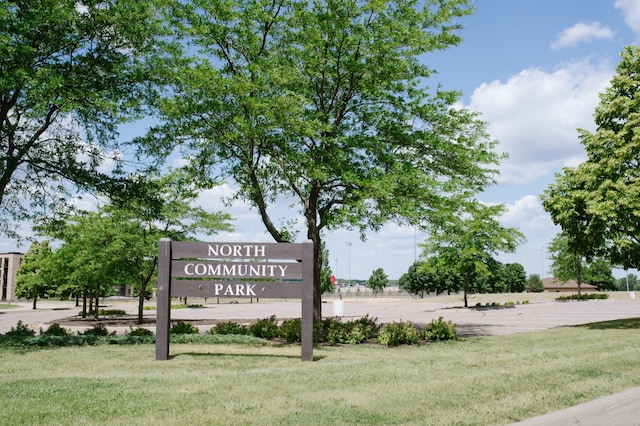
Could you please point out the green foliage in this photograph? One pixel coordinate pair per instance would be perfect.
(515, 277)
(467, 241)
(440, 330)
(98, 330)
(599, 274)
(378, 281)
(65, 89)
(140, 332)
(229, 327)
(291, 330)
(326, 286)
(35, 277)
(20, 330)
(534, 284)
(55, 330)
(183, 327)
(111, 312)
(352, 332)
(384, 147)
(596, 203)
(399, 333)
(583, 296)
(266, 328)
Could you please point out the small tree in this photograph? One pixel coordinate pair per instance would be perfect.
(325, 276)
(599, 273)
(415, 280)
(514, 277)
(567, 263)
(467, 241)
(34, 278)
(378, 281)
(534, 284)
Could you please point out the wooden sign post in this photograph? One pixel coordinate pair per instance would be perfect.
(260, 270)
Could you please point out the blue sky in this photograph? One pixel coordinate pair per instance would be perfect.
(533, 69)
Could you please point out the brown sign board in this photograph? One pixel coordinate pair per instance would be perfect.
(210, 269)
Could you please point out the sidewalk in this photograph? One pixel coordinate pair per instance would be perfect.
(621, 409)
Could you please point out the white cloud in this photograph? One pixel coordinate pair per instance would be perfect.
(582, 33)
(526, 214)
(631, 10)
(535, 115)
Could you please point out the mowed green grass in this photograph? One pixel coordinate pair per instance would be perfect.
(478, 381)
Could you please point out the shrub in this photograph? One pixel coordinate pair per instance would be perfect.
(140, 332)
(20, 330)
(112, 312)
(399, 333)
(266, 328)
(440, 330)
(353, 332)
(588, 296)
(55, 330)
(183, 327)
(97, 330)
(229, 328)
(291, 330)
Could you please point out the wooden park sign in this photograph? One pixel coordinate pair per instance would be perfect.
(260, 270)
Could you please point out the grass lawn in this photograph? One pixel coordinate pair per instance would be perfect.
(479, 381)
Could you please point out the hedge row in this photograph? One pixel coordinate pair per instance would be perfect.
(332, 331)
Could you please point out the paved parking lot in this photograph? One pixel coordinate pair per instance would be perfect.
(469, 322)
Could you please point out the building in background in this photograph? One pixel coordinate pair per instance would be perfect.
(9, 264)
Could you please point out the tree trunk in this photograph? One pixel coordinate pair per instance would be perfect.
(35, 299)
(97, 312)
(84, 303)
(141, 303)
(464, 289)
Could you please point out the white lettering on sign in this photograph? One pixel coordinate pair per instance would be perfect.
(235, 270)
(247, 289)
(236, 250)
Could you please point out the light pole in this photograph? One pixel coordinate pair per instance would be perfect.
(349, 244)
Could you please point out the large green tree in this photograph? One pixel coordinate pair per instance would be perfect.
(597, 204)
(325, 104)
(70, 72)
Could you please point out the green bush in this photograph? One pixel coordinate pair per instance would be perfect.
(139, 332)
(183, 327)
(291, 330)
(55, 330)
(97, 330)
(229, 328)
(588, 296)
(266, 328)
(353, 332)
(111, 312)
(440, 330)
(399, 333)
(20, 330)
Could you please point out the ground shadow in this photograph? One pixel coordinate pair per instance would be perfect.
(210, 354)
(619, 324)
(476, 330)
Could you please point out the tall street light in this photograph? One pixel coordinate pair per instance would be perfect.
(349, 244)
